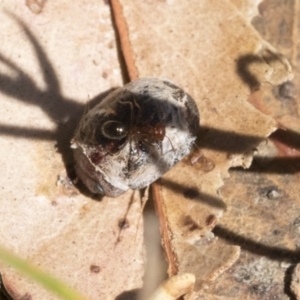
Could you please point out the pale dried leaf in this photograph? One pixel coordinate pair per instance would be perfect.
(248, 8)
(52, 64)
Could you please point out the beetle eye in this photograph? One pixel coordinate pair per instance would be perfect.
(114, 130)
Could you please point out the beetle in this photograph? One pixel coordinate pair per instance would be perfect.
(135, 135)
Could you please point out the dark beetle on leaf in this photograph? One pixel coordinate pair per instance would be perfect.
(134, 136)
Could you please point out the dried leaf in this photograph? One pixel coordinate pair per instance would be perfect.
(263, 215)
(248, 8)
(51, 65)
(194, 45)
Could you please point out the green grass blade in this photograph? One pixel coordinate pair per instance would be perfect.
(47, 281)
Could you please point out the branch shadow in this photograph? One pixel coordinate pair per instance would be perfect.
(271, 252)
(287, 137)
(193, 194)
(288, 279)
(260, 249)
(279, 164)
(244, 62)
(243, 69)
(64, 112)
(226, 141)
(252, 246)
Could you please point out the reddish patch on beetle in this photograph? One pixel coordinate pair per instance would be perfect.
(96, 158)
(149, 133)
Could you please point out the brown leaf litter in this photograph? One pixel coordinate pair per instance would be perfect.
(210, 50)
(218, 67)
